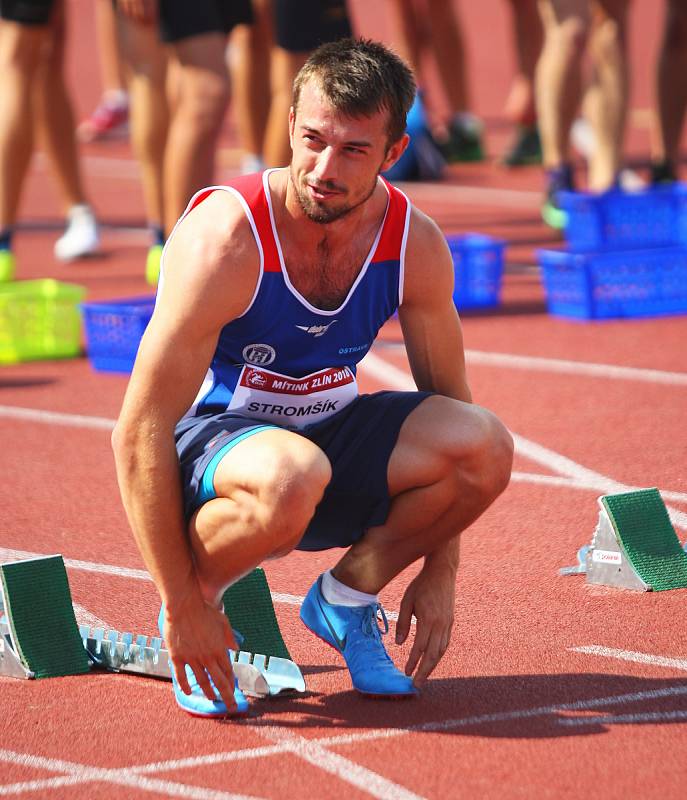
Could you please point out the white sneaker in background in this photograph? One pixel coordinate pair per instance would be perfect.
(81, 234)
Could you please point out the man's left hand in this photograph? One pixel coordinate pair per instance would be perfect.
(430, 597)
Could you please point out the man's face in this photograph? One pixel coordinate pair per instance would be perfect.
(336, 159)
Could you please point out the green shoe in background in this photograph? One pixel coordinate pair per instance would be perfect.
(464, 139)
(153, 264)
(525, 148)
(7, 266)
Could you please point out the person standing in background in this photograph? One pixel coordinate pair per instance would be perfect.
(34, 103)
(570, 28)
(671, 94)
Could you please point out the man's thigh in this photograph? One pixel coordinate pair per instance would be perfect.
(440, 432)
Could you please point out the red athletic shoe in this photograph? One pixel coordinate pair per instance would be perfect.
(106, 122)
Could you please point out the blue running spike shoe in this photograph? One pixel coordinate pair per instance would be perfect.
(197, 703)
(355, 633)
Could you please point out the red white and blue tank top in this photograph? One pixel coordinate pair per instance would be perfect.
(284, 360)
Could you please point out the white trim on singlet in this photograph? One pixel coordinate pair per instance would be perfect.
(404, 242)
(284, 272)
(249, 215)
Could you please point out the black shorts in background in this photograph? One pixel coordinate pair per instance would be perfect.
(303, 25)
(181, 19)
(27, 12)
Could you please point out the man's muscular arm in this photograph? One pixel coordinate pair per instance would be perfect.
(434, 343)
(211, 266)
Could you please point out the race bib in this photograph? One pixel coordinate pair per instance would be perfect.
(293, 402)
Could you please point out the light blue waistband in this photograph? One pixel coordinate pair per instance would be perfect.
(207, 485)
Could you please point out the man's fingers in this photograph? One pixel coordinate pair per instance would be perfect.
(419, 646)
(203, 680)
(223, 677)
(180, 672)
(432, 655)
(403, 622)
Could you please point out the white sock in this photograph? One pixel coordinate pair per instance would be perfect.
(339, 594)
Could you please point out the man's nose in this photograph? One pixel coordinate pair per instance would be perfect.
(326, 165)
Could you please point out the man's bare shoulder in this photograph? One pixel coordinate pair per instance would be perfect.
(428, 264)
(212, 256)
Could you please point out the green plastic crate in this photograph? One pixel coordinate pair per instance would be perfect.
(39, 319)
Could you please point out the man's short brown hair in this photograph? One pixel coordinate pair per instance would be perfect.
(359, 78)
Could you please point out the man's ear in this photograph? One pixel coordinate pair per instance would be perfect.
(292, 124)
(394, 152)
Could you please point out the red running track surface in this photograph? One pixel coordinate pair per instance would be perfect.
(514, 709)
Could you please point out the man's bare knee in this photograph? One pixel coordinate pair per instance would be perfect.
(290, 490)
(484, 457)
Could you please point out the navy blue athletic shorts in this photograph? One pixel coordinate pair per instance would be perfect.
(181, 19)
(358, 441)
(303, 25)
(27, 12)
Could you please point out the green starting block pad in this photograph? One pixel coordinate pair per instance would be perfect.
(634, 545)
(248, 606)
(39, 635)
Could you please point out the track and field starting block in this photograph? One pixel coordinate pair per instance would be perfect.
(40, 638)
(634, 545)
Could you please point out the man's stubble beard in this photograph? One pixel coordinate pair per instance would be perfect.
(324, 216)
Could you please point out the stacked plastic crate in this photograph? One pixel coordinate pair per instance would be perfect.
(626, 255)
(478, 270)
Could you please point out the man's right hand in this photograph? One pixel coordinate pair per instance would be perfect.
(198, 635)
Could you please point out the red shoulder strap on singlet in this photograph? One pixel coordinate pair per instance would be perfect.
(391, 240)
(250, 187)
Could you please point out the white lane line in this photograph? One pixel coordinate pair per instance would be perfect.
(558, 365)
(133, 775)
(472, 195)
(571, 469)
(315, 753)
(83, 421)
(9, 554)
(399, 379)
(658, 717)
(56, 418)
(82, 773)
(571, 483)
(629, 655)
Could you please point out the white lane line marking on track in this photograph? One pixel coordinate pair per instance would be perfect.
(629, 655)
(558, 365)
(9, 554)
(82, 773)
(624, 719)
(571, 483)
(84, 421)
(86, 617)
(400, 379)
(133, 775)
(56, 418)
(319, 756)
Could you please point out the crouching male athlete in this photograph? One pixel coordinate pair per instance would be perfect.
(273, 288)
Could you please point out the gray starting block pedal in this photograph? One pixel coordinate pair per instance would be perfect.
(258, 675)
(39, 637)
(634, 545)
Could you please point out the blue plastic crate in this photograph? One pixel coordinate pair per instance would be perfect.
(655, 217)
(113, 331)
(478, 269)
(605, 285)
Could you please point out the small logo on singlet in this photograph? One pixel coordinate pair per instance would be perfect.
(316, 330)
(260, 354)
(255, 378)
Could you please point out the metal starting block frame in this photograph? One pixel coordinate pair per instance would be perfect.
(258, 675)
(634, 545)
